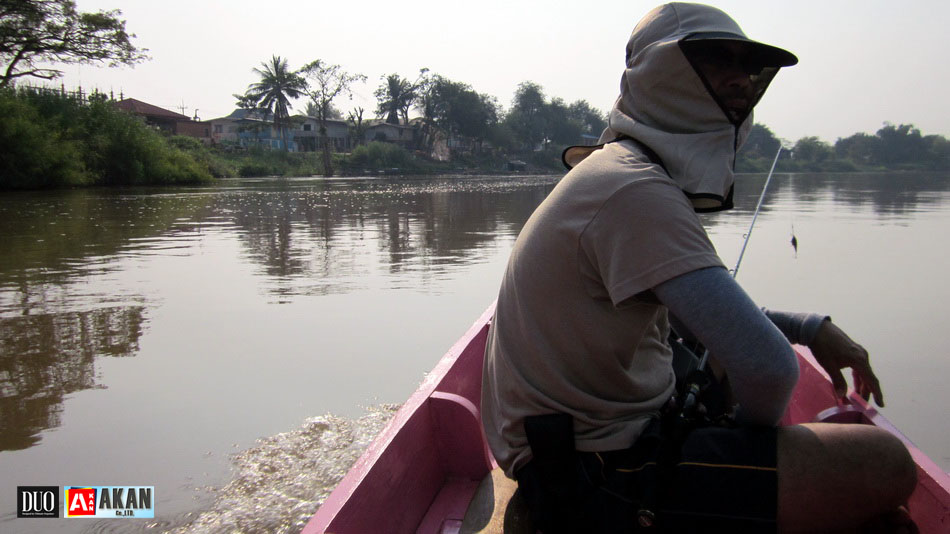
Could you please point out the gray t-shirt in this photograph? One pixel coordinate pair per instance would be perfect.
(568, 334)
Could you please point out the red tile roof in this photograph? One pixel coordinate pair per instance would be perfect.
(142, 108)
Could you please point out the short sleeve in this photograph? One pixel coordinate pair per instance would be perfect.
(643, 235)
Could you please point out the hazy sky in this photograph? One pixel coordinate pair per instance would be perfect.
(861, 62)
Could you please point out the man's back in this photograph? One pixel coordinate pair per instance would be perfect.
(570, 334)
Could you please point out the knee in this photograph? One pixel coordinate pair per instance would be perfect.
(897, 466)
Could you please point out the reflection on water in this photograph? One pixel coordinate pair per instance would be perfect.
(46, 357)
(316, 237)
(245, 308)
(323, 240)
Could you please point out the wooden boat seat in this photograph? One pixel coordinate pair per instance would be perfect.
(497, 508)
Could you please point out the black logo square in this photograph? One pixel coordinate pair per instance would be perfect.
(37, 501)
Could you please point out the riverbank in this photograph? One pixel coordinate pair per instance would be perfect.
(373, 158)
(55, 140)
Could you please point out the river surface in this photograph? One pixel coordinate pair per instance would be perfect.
(237, 346)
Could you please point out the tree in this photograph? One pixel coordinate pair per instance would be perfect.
(53, 31)
(313, 110)
(458, 110)
(278, 85)
(355, 118)
(325, 82)
(812, 150)
(392, 97)
(561, 129)
(760, 144)
(938, 152)
(527, 116)
(899, 144)
(590, 119)
(859, 148)
(251, 105)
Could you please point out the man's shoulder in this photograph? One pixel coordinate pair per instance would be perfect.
(620, 163)
(621, 169)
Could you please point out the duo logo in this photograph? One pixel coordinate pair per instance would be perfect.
(37, 501)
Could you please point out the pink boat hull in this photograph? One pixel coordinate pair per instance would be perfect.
(420, 473)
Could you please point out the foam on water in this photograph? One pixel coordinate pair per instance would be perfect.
(279, 484)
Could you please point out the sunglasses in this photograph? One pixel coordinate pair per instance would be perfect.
(723, 56)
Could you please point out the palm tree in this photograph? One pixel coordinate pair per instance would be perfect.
(278, 85)
(397, 95)
(392, 96)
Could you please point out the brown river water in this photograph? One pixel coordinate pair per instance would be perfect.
(237, 346)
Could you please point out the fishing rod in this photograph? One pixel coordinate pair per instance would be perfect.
(693, 389)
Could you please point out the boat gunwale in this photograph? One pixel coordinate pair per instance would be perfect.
(334, 504)
(814, 389)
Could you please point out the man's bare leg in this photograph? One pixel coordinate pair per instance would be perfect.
(833, 477)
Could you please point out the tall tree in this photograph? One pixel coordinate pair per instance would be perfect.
(53, 31)
(251, 105)
(527, 115)
(859, 148)
(456, 109)
(812, 150)
(356, 121)
(938, 152)
(396, 96)
(761, 143)
(313, 110)
(277, 86)
(590, 119)
(561, 129)
(324, 82)
(391, 96)
(899, 144)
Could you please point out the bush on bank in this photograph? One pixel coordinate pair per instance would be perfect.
(379, 156)
(54, 140)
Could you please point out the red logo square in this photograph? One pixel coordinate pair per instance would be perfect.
(80, 501)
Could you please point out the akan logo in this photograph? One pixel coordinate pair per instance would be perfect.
(109, 501)
(80, 502)
(37, 501)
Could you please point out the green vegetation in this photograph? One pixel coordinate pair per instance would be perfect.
(36, 32)
(273, 92)
(55, 140)
(397, 95)
(324, 83)
(377, 155)
(52, 139)
(891, 148)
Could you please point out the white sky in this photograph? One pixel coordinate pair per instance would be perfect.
(861, 62)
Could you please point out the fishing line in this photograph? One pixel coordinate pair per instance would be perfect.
(758, 207)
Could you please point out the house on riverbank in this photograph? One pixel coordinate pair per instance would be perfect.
(306, 132)
(379, 130)
(246, 128)
(166, 120)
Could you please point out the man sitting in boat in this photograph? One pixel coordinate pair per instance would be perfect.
(578, 377)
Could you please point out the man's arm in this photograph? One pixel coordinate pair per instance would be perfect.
(761, 365)
(833, 349)
(798, 328)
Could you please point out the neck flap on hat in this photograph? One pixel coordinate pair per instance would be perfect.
(667, 105)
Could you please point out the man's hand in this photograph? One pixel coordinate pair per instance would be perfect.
(834, 350)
